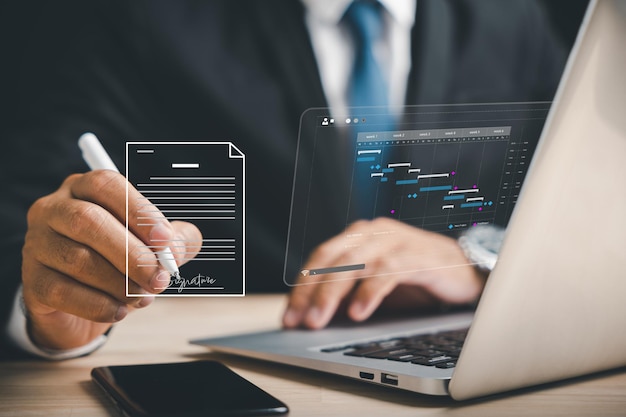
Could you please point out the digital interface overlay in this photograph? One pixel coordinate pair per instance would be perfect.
(198, 182)
(443, 169)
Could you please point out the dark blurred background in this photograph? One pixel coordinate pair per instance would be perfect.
(34, 31)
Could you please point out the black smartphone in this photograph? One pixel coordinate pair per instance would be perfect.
(186, 389)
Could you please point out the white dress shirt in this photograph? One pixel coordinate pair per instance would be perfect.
(17, 332)
(334, 48)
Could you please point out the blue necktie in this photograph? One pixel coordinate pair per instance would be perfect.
(367, 86)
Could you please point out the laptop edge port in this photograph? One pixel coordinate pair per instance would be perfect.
(366, 375)
(389, 379)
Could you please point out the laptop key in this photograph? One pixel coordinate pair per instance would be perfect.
(385, 354)
(369, 348)
(446, 365)
(451, 350)
(364, 351)
(407, 357)
(334, 349)
(429, 353)
(433, 361)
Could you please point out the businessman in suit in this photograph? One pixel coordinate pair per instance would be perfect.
(191, 70)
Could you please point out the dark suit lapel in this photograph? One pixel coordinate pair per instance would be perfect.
(432, 52)
(282, 24)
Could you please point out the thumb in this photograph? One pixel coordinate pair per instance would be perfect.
(187, 241)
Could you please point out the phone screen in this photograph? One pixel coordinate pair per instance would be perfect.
(186, 389)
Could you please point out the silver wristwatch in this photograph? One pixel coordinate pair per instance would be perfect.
(481, 245)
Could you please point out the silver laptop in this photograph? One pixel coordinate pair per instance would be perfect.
(554, 305)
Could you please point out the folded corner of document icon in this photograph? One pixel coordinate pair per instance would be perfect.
(198, 182)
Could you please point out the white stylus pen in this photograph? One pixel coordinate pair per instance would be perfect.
(97, 158)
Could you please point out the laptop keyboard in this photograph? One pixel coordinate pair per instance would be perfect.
(438, 349)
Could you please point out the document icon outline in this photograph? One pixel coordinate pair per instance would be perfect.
(198, 182)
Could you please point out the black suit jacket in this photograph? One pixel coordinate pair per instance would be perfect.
(229, 70)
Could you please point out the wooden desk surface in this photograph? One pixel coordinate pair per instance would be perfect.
(160, 334)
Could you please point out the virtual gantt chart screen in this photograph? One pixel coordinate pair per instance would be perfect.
(440, 168)
(437, 178)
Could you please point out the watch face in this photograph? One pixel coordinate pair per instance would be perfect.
(481, 245)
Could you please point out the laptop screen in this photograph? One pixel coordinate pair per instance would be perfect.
(444, 168)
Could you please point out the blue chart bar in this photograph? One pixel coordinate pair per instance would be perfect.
(436, 188)
(465, 205)
(404, 182)
(454, 197)
(387, 170)
(365, 159)
(384, 179)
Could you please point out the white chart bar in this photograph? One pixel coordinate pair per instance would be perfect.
(470, 190)
(433, 176)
